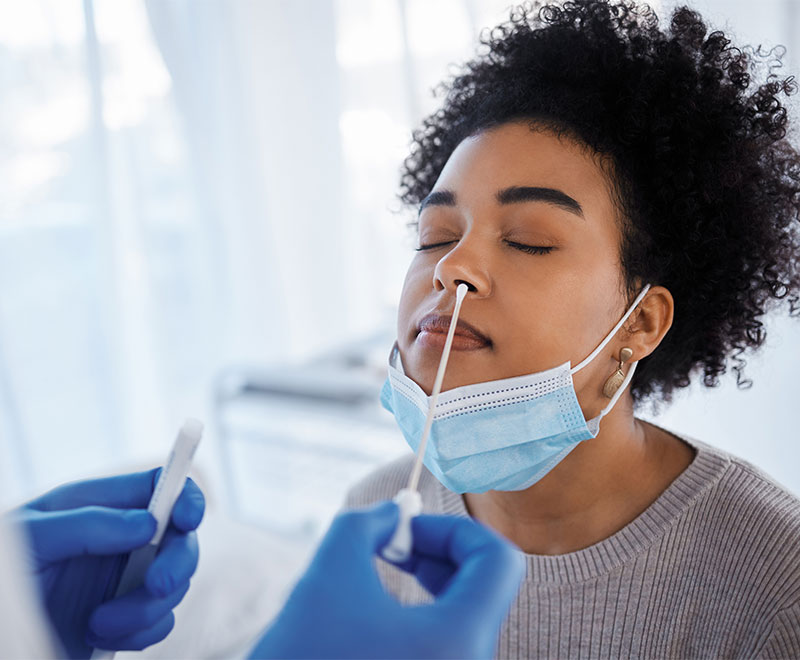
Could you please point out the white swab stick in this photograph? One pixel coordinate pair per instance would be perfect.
(413, 481)
(408, 499)
(168, 487)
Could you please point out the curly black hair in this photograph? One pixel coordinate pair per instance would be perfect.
(705, 179)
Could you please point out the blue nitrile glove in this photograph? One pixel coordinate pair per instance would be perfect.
(79, 537)
(340, 610)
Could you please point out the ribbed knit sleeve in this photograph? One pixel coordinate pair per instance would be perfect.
(710, 569)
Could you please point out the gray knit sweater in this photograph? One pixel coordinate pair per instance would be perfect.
(711, 569)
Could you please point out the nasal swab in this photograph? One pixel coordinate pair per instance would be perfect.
(408, 499)
(168, 487)
(461, 293)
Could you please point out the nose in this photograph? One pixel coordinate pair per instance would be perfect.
(463, 264)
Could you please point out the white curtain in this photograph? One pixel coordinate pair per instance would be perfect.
(191, 184)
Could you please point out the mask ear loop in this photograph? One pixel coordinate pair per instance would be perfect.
(611, 334)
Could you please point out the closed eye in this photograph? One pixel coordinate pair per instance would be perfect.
(531, 249)
(433, 246)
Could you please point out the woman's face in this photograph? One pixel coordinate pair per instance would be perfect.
(527, 220)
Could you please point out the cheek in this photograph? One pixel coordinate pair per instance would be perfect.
(561, 311)
(539, 331)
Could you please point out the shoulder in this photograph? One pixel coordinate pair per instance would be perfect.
(753, 490)
(384, 482)
(727, 485)
(741, 532)
(751, 522)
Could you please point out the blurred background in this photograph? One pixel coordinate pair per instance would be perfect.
(198, 217)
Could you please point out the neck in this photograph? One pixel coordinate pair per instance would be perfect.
(601, 486)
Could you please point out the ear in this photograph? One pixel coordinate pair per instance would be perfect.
(650, 322)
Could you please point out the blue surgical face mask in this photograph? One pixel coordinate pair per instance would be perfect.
(498, 435)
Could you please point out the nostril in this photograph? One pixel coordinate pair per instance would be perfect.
(471, 287)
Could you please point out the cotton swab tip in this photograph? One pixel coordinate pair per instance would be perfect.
(409, 503)
(461, 292)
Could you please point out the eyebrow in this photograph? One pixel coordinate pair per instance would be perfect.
(517, 194)
(439, 198)
(512, 195)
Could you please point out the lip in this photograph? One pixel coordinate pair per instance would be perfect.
(432, 332)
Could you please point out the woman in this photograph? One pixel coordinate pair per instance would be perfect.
(590, 164)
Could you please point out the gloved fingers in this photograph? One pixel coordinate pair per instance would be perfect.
(361, 532)
(491, 576)
(127, 491)
(489, 572)
(89, 530)
(434, 536)
(189, 507)
(175, 563)
(137, 641)
(433, 574)
(452, 538)
(432, 561)
(345, 557)
(134, 612)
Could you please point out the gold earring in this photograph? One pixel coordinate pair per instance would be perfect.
(615, 380)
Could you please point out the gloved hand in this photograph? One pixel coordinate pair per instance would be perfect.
(79, 535)
(339, 608)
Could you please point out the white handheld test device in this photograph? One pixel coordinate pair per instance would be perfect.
(168, 487)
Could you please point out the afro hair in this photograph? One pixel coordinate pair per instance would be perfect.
(705, 179)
